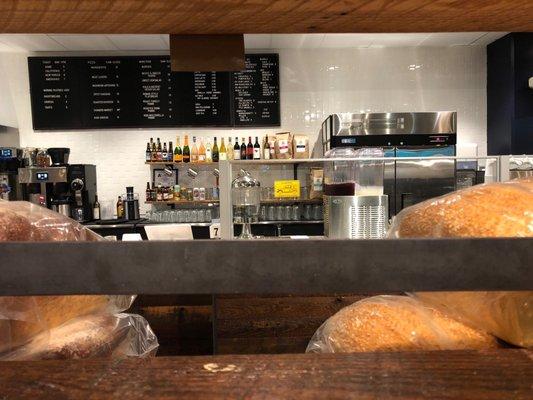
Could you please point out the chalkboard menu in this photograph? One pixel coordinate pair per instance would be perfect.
(256, 91)
(142, 92)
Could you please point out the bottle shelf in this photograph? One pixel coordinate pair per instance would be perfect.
(183, 202)
(189, 164)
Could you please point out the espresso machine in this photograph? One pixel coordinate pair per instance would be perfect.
(69, 189)
(10, 162)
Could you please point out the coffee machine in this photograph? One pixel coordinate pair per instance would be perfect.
(10, 162)
(69, 189)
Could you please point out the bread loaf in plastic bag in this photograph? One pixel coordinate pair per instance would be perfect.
(21, 318)
(394, 323)
(97, 335)
(490, 210)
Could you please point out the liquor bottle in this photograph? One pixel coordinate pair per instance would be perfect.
(148, 152)
(170, 154)
(266, 149)
(178, 156)
(186, 157)
(159, 193)
(215, 154)
(120, 208)
(257, 149)
(154, 152)
(148, 192)
(165, 193)
(96, 209)
(208, 151)
(243, 149)
(153, 193)
(194, 151)
(201, 152)
(229, 150)
(250, 149)
(159, 150)
(236, 150)
(164, 153)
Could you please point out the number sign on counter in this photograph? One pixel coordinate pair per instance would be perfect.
(142, 92)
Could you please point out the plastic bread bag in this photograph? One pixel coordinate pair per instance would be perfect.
(93, 336)
(26, 316)
(394, 323)
(489, 210)
(506, 315)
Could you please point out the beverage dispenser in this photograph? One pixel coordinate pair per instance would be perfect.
(246, 200)
(354, 204)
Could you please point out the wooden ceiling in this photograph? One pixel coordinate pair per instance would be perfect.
(263, 16)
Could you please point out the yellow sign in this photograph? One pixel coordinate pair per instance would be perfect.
(287, 189)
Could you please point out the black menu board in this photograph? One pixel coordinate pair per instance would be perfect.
(54, 93)
(256, 92)
(203, 98)
(142, 92)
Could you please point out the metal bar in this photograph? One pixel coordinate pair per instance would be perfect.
(266, 266)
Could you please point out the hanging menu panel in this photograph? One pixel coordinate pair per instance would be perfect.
(256, 92)
(202, 98)
(156, 105)
(108, 93)
(142, 92)
(54, 93)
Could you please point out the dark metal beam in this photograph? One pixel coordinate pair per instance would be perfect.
(266, 266)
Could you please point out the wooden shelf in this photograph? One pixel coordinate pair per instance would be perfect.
(163, 163)
(491, 374)
(183, 202)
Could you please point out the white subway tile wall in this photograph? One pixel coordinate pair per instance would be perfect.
(313, 83)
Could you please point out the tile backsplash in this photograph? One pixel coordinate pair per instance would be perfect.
(313, 84)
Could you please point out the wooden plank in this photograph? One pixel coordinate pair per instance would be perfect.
(263, 16)
(500, 374)
(182, 324)
(263, 345)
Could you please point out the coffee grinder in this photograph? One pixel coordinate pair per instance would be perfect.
(82, 183)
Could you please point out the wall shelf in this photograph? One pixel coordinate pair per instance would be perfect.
(183, 202)
(178, 164)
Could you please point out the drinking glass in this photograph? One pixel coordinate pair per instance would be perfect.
(271, 214)
(295, 213)
(194, 216)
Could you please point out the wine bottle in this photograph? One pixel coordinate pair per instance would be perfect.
(266, 149)
(96, 208)
(178, 156)
(229, 150)
(243, 149)
(250, 149)
(236, 150)
(208, 151)
(202, 152)
(194, 151)
(159, 150)
(186, 157)
(214, 152)
(222, 155)
(257, 149)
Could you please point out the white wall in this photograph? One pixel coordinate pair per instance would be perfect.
(314, 83)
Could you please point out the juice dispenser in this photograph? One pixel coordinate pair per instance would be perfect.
(354, 204)
(246, 199)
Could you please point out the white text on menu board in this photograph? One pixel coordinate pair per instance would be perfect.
(155, 83)
(55, 72)
(206, 93)
(105, 77)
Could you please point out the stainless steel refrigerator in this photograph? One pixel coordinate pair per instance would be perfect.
(404, 135)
